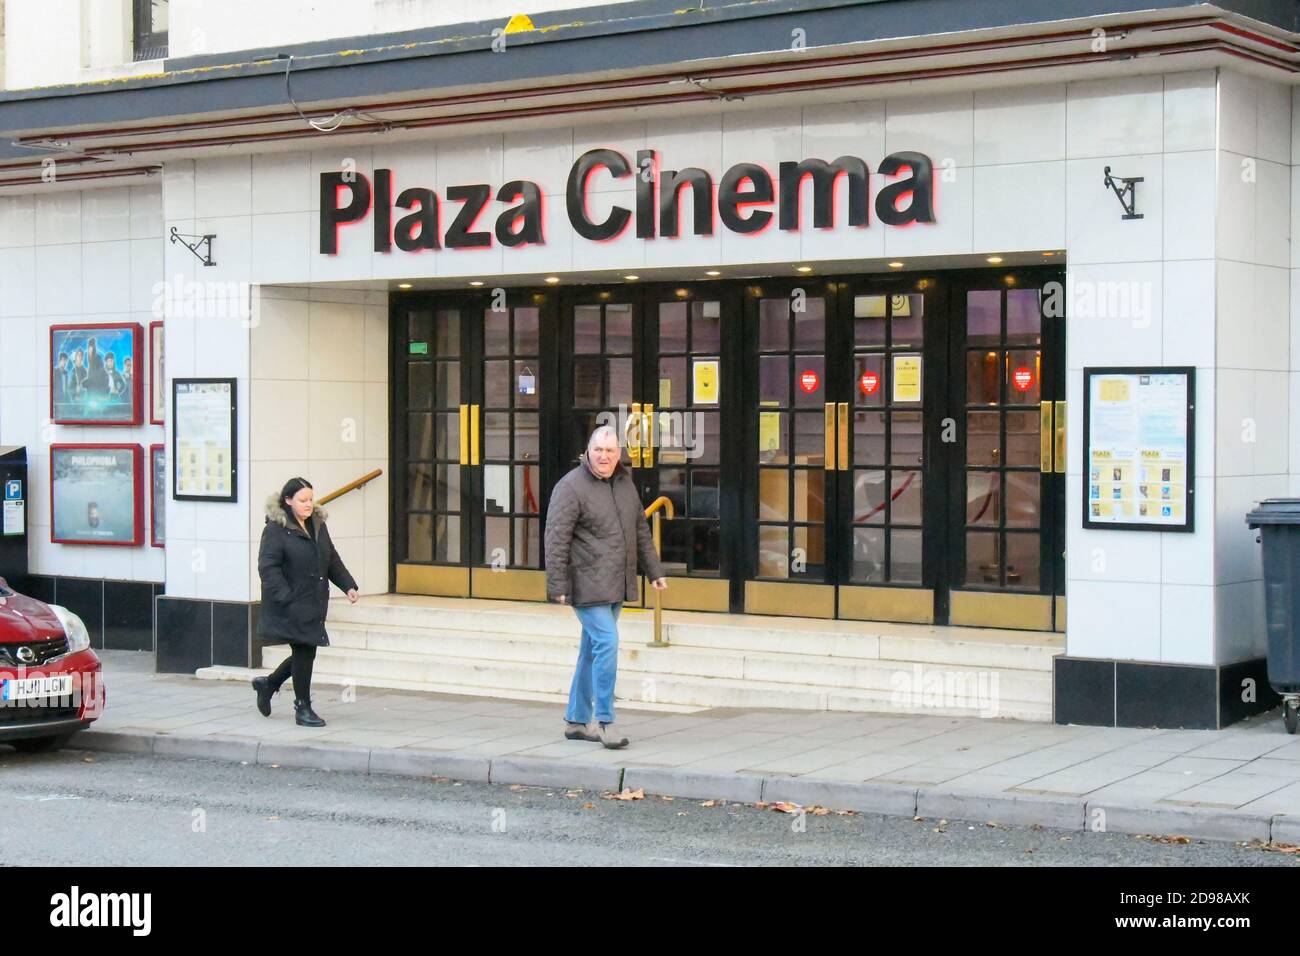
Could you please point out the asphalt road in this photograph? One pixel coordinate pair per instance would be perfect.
(122, 810)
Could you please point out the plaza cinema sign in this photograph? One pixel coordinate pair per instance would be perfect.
(748, 199)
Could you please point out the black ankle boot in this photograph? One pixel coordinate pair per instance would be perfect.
(264, 691)
(304, 715)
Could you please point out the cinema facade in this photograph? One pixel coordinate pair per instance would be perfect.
(840, 294)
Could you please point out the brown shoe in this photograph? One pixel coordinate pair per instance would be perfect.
(575, 731)
(608, 735)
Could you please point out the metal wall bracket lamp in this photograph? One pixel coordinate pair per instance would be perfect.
(204, 242)
(1128, 195)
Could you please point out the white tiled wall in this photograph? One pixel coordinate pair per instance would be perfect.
(320, 411)
(1253, 368)
(207, 551)
(1142, 595)
(88, 256)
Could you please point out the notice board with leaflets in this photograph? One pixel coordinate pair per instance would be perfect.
(1139, 427)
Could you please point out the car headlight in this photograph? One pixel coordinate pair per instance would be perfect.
(78, 638)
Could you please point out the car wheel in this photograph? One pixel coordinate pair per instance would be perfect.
(40, 745)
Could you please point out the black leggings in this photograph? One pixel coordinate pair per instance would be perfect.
(299, 663)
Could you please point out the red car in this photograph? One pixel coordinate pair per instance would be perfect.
(51, 682)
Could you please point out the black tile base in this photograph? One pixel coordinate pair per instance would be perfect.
(1109, 693)
(1166, 695)
(183, 636)
(194, 633)
(1083, 691)
(230, 634)
(128, 615)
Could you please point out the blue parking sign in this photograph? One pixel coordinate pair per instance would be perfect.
(13, 490)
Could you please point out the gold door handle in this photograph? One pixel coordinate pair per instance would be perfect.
(473, 434)
(1060, 438)
(464, 434)
(1045, 437)
(632, 434)
(842, 452)
(830, 436)
(647, 436)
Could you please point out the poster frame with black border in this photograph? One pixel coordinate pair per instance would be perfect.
(153, 495)
(1189, 525)
(137, 351)
(179, 439)
(137, 496)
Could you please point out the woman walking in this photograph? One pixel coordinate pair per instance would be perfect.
(296, 562)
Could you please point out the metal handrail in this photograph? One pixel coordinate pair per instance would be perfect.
(661, 504)
(350, 486)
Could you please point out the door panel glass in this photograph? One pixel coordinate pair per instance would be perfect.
(774, 551)
(419, 385)
(905, 557)
(672, 327)
(706, 326)
(509, 471)
(496, 332)
(586, 329)
(905, 497)
(869, 555)
(869, 502)
(774, 324)
(792, 483)
(1003, 484)
(810, 381)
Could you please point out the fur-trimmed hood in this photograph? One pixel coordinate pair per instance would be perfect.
(276, 514)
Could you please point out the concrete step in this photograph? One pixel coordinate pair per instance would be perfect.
(915, 690)
(973, 647)
(682, 660)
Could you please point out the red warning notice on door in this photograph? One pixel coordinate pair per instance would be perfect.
(1022, 378)
(869, 383)
(809, 381)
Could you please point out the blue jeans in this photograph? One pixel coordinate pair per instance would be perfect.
(593, 679)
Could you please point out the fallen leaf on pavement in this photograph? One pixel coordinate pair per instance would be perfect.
(709, 803)
(516, 786)
(625, 795)
(818, 811)
(589, 806)
(783, 807)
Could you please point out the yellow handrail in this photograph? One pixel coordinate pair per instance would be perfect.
(662, 503)
(665, 504)
(350, 486)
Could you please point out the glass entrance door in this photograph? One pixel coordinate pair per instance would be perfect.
(1007, 356)
(655, 362)
(470, 376)
(890, 481)
(792, 439)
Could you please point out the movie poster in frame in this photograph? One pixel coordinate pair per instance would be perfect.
(95, 374)
(157, 394)
(96, 494)
(157, 496)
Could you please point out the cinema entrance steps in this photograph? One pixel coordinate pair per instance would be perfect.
(526, 651)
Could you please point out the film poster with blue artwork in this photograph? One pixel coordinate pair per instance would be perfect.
(95, 494)
(95, 374)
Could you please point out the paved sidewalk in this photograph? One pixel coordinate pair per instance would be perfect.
(1242, 783)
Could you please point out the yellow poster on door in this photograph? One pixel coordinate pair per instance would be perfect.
(769, 431)
(706, 381)
(907, 378)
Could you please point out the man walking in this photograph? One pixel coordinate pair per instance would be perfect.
(596, 536)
